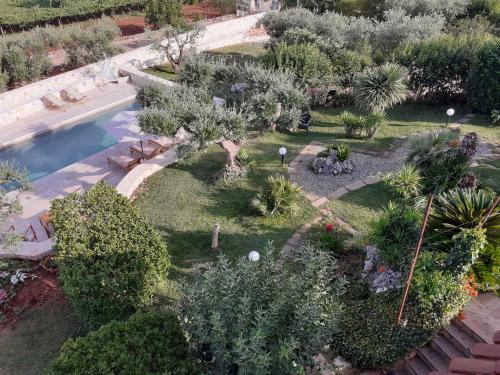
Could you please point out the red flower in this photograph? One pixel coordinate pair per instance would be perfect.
(329, 228)
(461, 315)
(381, 268)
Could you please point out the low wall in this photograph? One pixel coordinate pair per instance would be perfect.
(21, 102)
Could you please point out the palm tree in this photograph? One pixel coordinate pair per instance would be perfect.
(378, 88)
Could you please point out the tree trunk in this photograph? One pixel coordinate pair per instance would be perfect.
(232, 149)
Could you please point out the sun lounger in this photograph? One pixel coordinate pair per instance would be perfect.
(53, 101)
(29, 234)
(124, 161)
(73, 94)
(496, 337)
(164, 143)
(147, 150)
(486, 351)
(46, 222)
(474, 366)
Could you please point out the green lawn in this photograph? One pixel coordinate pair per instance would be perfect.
(360, 207)
(184, 203)
(36, 339)
(165, 71)
(240, 53)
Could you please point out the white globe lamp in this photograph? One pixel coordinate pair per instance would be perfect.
(282, 152)
(254, 256)
(450, 112)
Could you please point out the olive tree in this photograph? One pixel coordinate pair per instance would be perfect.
(255, 318)
(168, 109)
(179, 40)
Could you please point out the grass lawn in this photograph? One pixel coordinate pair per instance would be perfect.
(165, 71)
(36, 339)
(360, 207)
(489, 173)
(184, 203)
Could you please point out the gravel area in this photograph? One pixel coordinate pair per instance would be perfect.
(365, 166)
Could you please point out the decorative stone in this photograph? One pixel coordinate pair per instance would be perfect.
(386, 280)
(239, 87)
(341, 364)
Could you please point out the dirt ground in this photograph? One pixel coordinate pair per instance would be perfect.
(205, 9)
(34, 292)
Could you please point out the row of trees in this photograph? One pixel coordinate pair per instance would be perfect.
(25, 57)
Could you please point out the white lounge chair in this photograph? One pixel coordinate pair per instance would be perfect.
(73, 94)
(51, 100)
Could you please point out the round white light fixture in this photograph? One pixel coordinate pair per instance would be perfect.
(254, 256)
(450, 112)
(282, 151)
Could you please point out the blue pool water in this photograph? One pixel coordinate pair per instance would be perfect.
(55, 150)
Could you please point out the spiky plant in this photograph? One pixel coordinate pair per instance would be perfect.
(379, 88)
(405, 183)
(280, 196)
(464, 208)
(426, 147)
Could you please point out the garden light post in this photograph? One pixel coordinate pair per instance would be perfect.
(282, 152)
(450, 112)
(253, 256)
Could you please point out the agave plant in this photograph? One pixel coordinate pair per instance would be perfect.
(426, 147)
(280, 196)
(464, 208)
(378, 89)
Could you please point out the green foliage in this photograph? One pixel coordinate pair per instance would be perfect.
(367, 336)
(254, 318)
(280, 196)
(442, 163)
(309, 65)
(198, 69)
(439, 67)
(380, 88)
(343, 151)
(109, 259)
(437, 294)
(146, 343)
(483, 86)
(346, 64)
(405, 183)
(396, 233)
(360, 125)
(467, 245)
(11, 177)
(92, 43)
(160, 13)
(487, 268)
(464, 208)
(335, 241)
(450, 8)
(4, 78)
(21, 14)
(495, 116)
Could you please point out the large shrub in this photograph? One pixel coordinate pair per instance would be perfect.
(450, 8)
(160, 13)
(255, 318)
(442, 160)
(147, 343)
(4, 78)
(483, 86)
(396, 233)
(91, 43)
(306, 61)
(439, 66)
(109, 259)
(464, 208)
(380, 88)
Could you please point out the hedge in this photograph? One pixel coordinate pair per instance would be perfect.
(147, 343)
(109, 259)
(483, 83)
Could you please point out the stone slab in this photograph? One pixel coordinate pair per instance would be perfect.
(371, 180)
(355, 185)
(320, 201)
(337, 193)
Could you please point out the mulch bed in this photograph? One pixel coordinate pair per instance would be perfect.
(34, 292)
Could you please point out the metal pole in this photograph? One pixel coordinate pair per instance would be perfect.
(282, 159)
(142, 151)
(414, 261)
(481, 223)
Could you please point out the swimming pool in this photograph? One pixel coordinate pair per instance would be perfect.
(55, 150)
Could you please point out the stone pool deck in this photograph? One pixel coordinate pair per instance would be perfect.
(97, 100)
